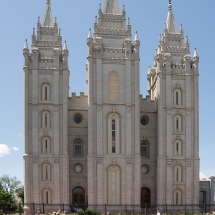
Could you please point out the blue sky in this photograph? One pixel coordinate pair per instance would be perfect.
(75, 17)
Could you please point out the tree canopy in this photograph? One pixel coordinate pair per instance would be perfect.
(10, 184)
(20, 194)
(7, 201)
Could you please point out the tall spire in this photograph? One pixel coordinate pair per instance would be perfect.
(26, 44)
(112, 7)
(170, 22)
(48, 15)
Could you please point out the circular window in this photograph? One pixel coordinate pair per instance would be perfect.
(77, 119)
(145, 169)
(78, 168)
(144, 120)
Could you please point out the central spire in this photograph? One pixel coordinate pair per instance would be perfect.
(170, 22)
(48, 15)
(112, 7)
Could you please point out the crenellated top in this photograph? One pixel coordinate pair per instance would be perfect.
(47, 43)
(172, 47)
(173, 53)
(111, 33)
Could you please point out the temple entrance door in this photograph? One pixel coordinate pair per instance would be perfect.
(145, 196)
(78, 196)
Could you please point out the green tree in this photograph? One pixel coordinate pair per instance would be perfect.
(20, 194)
(10, 184)
(1, 188)
(7, 201)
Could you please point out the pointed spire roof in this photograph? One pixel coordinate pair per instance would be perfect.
(170, 22)
(65, 46)
(195, 53)
(149, 70)
(112, 7)
(89, 34)
(26, 44)
(48, 15)
(136, 37)
(159, 50)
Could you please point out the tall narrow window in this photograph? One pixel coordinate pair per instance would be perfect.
(178, 174)
(177, 197)
(144, 150)
(45, 92)
(46, 172)
(113, 136)
(177, 123)
(113, 133)
(47, 196)
(46, 145)
(114, 185)
(45, 120)
(78, 148)
(177, 97)
(177, 148)
(113, 86)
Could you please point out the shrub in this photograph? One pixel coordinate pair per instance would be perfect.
(89, 212)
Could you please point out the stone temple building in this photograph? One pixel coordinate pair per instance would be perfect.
(111, 146)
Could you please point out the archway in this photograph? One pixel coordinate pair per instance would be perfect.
(78, 196)
(145, 196)
(202, 197)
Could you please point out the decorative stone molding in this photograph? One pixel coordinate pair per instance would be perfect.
(188, 163)
(99, 160)
(188, 113)
(35, 160)
(45, 133)
(46, 72)
(99, 107)
(114, 61)
(169, 163)
(128, 161)
(56, 160)
(56, 107)
(168, 111)
(34, 107)
(178, 77)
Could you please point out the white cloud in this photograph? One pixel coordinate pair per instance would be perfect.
(15, 149)
(202, 175)
(4, 150)
(20, 135)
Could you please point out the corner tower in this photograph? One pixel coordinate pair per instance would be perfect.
(173, 83)
(114, 109)
(46, 75)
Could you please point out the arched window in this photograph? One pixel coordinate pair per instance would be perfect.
(47, 196)
(178, 174)
(177, 197)
(144, 149)
(45, 92)
(177, 97)
(45, 120)
(114, 185)
(177, 148)
(113, 133)
(46, 172)
(113, 86)
(177, 123)
(46, 145)
(78, 148)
